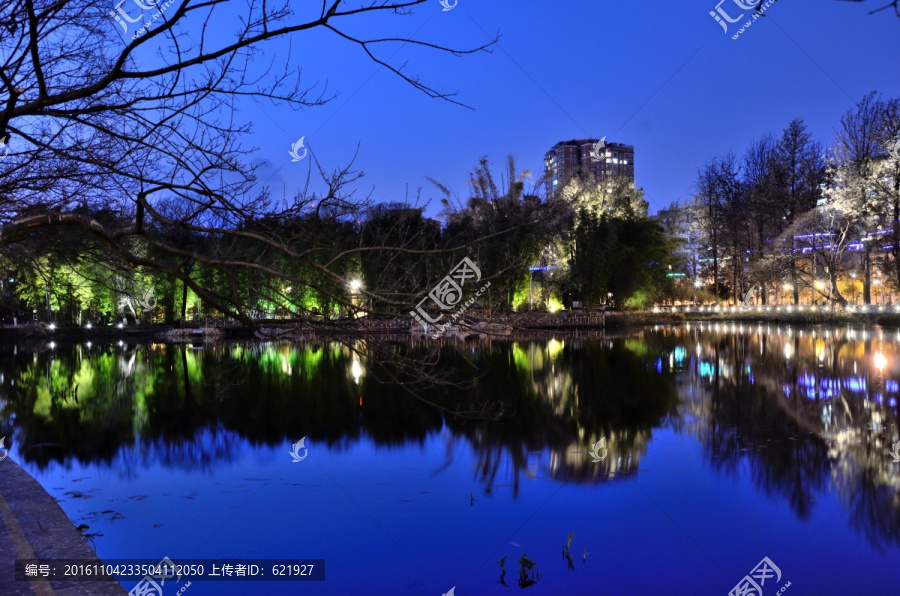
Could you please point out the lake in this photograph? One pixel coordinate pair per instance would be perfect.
(685, 459)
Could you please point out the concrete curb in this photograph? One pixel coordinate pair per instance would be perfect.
(33, 525)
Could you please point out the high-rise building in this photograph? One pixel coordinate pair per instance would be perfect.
(568, 159)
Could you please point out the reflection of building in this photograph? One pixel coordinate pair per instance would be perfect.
(568, 159)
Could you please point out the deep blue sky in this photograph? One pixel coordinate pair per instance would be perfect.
(662, 76)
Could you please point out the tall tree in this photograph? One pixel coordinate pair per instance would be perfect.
(855, 156)
(800, 171)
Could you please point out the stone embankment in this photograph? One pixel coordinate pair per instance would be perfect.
(34, 526)
(799, 315)
(485, 323)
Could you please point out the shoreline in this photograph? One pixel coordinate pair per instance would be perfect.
(490, 326)
(499, 327)
(34, 526)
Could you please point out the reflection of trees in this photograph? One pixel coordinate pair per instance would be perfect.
(180, 407)
(800, 408)
(797, 409)
(562, 400)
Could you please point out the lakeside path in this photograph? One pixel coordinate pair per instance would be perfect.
(34, 526)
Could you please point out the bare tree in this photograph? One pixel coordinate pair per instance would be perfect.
(759, 177)
(799, 172)
(859, 162)
(895, 4)
(824, 237)
(137, 112)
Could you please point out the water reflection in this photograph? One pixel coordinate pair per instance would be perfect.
(806, 409)
(797, 411)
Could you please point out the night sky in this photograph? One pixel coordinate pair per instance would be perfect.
(662, 76)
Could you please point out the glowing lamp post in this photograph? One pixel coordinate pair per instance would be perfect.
(355, 286)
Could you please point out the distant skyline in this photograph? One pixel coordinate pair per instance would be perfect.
(662, 77)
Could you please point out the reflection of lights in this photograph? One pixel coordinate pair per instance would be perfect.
(285, 366)
(880, 361)
(788, 351)
(554, 348)
(357, 371)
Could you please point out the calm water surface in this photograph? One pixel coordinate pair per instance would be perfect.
(725, 445)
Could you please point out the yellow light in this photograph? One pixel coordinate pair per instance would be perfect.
(356, 371)
(880, 361)
(553, 305)
(554, 348)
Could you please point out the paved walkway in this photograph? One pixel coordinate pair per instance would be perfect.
(34, 526)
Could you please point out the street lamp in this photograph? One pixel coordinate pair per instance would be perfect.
(355, 285)
(820, 285)
(788, 287)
